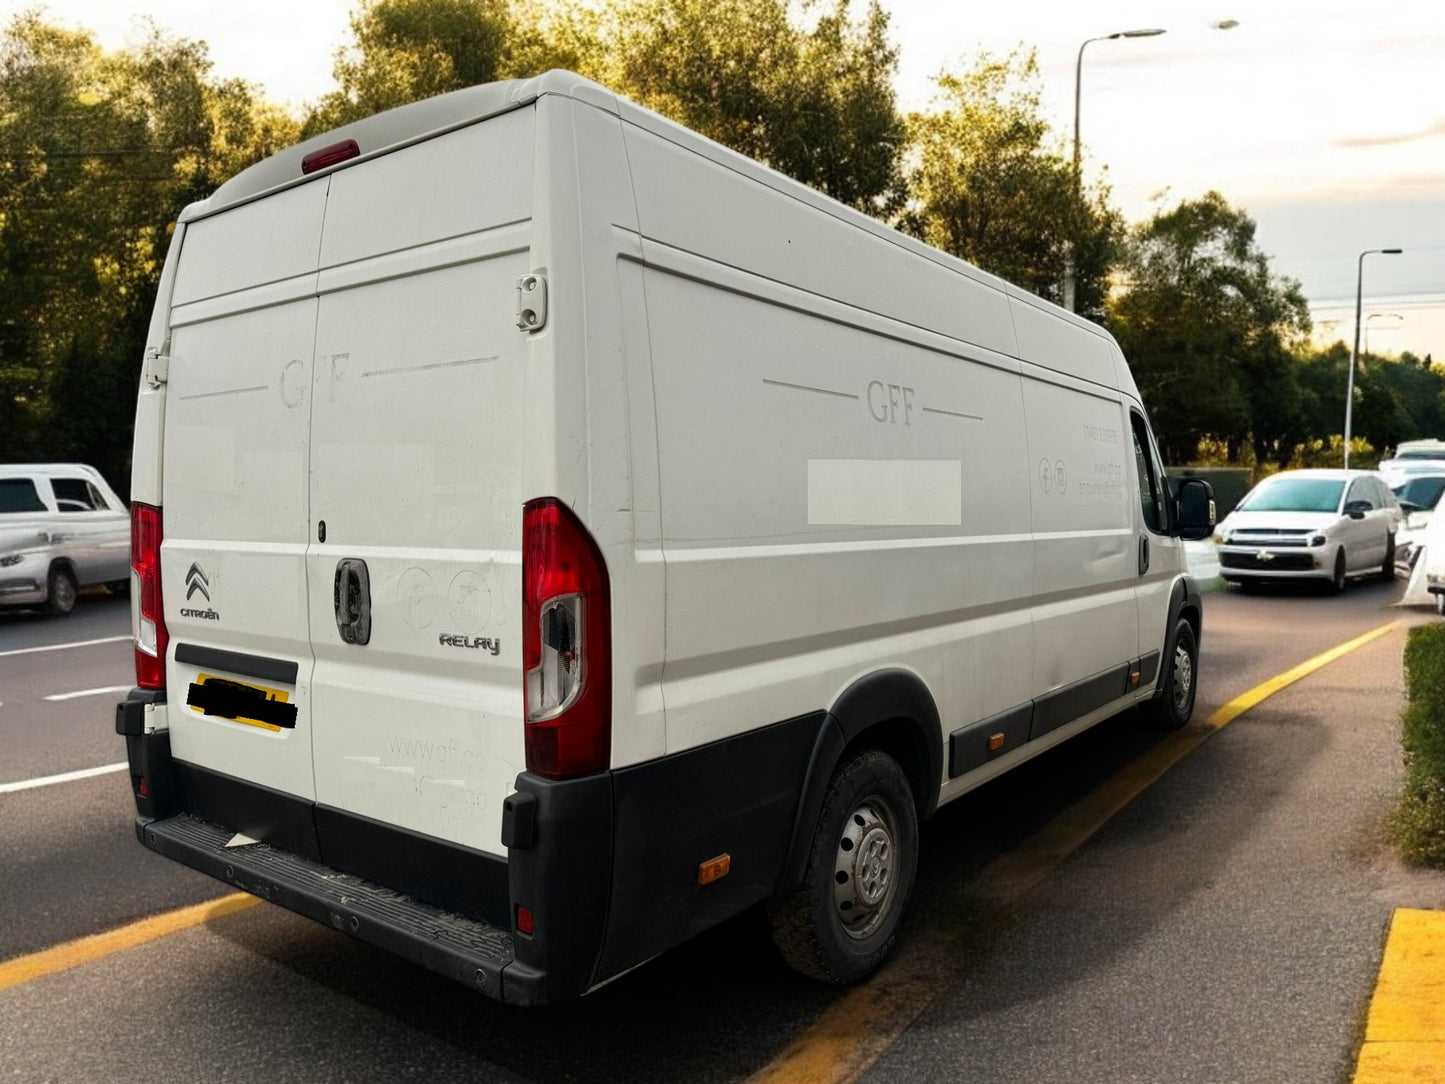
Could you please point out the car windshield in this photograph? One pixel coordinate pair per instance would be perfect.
(1422, 492)
(1281, 494)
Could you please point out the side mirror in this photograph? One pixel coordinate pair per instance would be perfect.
(1357, 509)
(1409, 506)
(1196, 509)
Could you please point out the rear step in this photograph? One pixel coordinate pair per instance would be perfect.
(474, 953)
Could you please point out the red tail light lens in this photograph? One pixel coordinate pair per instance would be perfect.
(148, 622)
(566, 644)
(329, 156)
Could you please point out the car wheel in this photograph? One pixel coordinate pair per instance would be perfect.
(841, 922)
(1387, 571)
(1440, 605)
(60, 593)
(1337, 579)
(1174, 706)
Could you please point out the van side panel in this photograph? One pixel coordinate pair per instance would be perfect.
(842, 491)
(234, 491)
(415, 471)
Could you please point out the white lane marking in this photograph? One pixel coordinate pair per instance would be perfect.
(62, 647)
(88, 692)
(66, 777)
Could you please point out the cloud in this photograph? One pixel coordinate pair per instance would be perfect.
(1434, 130)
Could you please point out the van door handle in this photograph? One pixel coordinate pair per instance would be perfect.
(351, 595)
(1143, 554)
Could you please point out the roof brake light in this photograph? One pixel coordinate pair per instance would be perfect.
(329, 156)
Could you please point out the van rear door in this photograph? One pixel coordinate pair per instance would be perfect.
(243, 325)
(415, 486)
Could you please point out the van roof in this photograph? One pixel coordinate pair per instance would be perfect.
(395, 128)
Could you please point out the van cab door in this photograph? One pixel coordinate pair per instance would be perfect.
(1161, 556)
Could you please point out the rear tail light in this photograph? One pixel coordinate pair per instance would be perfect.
(566, 644)
(148, 622)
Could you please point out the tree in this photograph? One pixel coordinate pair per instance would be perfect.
(406, 50)
(1211, 333)
(99, 152)
(815, 102)
(994, 188)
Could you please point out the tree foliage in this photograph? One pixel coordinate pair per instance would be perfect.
(813, 101)
(1211, 333)
(993, 187)
(99, 152)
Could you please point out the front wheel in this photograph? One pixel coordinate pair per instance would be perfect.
(61, 592)
(1337, 578)
(1174, 706)
(839, 925)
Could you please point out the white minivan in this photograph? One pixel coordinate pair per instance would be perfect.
(556, 533)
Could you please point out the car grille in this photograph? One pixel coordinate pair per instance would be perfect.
(1276, 562)
(1263, 536)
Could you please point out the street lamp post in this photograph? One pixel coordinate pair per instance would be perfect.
(1355, 349)
(1069, 264)
(1078, 177)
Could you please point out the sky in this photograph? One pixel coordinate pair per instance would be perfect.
(1324, 120)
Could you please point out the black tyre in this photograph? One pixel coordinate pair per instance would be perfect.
(1337, 579)
(60, 591)
(840, 924)
(1387, 570)
(1174, 706)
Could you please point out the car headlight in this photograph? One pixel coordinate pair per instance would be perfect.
(10, 559)
(1317, 540)
(1221, 538)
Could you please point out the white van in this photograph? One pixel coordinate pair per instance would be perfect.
(557, 533)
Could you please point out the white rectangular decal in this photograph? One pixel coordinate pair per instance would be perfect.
(885, 492)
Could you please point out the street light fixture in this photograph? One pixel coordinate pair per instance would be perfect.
(1355, 349)
(1078, 179)
(1153, 32)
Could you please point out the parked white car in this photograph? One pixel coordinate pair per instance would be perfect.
(61, 528)
(1418, 495)
(1326, 525)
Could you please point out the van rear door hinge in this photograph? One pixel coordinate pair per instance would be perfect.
(532, 302)
(157, 368)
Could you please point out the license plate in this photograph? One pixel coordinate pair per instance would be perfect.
(254, 705)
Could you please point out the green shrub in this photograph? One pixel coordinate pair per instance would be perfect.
(1419, 820)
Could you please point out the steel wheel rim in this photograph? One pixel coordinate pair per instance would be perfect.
(865, 871)
(1183, 678)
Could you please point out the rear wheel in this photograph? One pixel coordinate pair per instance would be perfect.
(1387, 571)
(61, 593)
(1175, 704)
(841, 922)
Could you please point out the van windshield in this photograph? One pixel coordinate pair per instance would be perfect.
(1295, 495)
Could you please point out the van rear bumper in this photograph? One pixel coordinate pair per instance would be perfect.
(474, 953)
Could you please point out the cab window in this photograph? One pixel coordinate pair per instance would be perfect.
(77, 495)
(1151, 478)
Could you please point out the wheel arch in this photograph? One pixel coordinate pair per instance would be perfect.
(1185, 601)
(889, 710)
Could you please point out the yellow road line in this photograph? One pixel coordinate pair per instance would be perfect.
(1405, 1032)
(83, 950)
(853, 1032)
